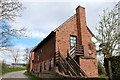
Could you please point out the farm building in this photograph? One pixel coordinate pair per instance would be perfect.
(68, 50)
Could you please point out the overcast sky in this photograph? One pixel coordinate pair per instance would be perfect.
(41, 17)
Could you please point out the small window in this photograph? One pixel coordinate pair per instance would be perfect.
(73, 41)
(38, 57)
(36, 67)
(40, 67)
(44, 65)
(50, 64)
(32, 61)
(41, 50)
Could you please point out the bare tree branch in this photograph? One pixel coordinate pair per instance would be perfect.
(27, 55)
(9, 11)
(108, 34)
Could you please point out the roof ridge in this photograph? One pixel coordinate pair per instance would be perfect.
(64, 23)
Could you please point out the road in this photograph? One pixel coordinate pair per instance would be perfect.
(17, 74)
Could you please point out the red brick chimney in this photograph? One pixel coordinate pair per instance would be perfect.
(81, 22)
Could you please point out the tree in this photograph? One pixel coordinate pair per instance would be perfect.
(108, 32)
(3, 65)
(109, 35)
(27, 55)
(9, 10)
(101, 69)
(15, 56)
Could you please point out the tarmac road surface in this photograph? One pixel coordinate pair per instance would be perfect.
(17, 74)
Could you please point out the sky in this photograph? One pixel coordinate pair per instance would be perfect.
(42, 17)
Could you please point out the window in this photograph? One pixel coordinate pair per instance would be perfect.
(32, 61)
(38, 57)
(73, 41)
(36, 67)
(40, 67)
(50, 64)
(41, 50)
(44, 65)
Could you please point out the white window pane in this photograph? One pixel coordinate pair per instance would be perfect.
(72, 44)
(71, 37)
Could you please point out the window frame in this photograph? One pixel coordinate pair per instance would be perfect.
(50, 64)
(73, 39)
(45, 65)
(40, 67)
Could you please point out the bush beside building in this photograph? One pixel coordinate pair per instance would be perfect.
(115, 66)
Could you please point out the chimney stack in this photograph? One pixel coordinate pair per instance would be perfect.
(81, 22)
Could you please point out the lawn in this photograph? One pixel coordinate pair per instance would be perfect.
(8, 70)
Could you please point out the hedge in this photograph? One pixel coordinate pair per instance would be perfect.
(115, 66)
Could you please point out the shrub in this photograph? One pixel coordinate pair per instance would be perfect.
(28, 67)
(101, 69)
(115, 66)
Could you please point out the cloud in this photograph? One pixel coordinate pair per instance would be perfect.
(47, 1)
(36, 34)
(69, 0)
(40, 18)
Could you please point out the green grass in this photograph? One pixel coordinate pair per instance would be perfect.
(8, 70)
(103, 76)
(30, 76)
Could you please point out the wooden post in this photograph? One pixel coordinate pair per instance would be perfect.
(110, 69)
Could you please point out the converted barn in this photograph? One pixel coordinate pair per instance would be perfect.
(68, 50)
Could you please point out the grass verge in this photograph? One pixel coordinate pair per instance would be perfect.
(30, 76)
(8, 70)
(103, 76)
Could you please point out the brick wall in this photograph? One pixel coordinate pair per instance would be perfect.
(36, 67)
(63, 36)
(89, 66)
(46, 51)
(83, 34)
(84, 31)
(70, 28)
(47, 65)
